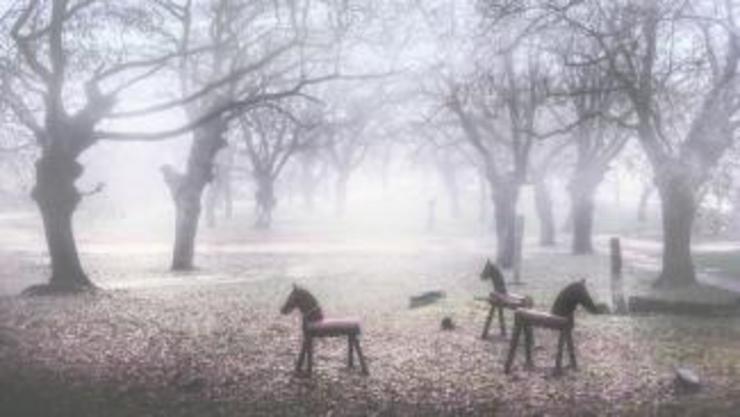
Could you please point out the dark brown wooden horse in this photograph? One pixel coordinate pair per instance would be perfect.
(560, 319)
(500, 298)
(316, 326)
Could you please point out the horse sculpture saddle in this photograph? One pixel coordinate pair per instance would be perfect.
(542, 319)
(509, 300)
(333, 327)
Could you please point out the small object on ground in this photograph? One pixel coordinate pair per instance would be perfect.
(500, 298)
(686, 381)
(425, 298)
(316, 326)
(560, 318)
(448, 324)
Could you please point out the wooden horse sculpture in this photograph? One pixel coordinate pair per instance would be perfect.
(560, 319)
(316, 326)
(500, 298)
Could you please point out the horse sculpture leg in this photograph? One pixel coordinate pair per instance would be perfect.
(310, 354)
(350, 351)
(502, 320)
(528, 342)
(360, 356)
(559, 357)
(571, 348)
(302, 355)
(488, 322)
(513, 344)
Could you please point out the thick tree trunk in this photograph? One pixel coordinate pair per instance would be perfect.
(309, 182)
(265, 199)
(187, 215)
(582, 189)
(57, 199)
(505, 197)
(543, 202)
(187, 190)
(678, 211)
(647, 192)
(582, 204)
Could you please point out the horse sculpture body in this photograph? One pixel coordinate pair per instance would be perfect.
(316, 326)
(500, 298)
(560, 319)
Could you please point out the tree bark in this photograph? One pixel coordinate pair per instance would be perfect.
(543, 202)
(187, 216)
(505, 197)
(582, 188)
(265, 198)
(583, 220)
(57, 199)
(647, 192)
(678, 208)
(187, 190)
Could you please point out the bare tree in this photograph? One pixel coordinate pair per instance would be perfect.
(684, 100)
(271, 139)
(498, 112)
(64, 83)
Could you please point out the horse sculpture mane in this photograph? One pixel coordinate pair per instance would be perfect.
(570, 297)
(492, 272)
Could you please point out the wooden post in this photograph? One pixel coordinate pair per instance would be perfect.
(618, 302)
(519, 236)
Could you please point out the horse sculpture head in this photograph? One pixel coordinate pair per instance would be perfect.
(570, 297)
(491, 271)
(305, 302)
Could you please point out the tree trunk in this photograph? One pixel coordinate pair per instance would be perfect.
(678, 212)
(309, 182)
(265, 199)
(187, 215)
(505, 197)
(582, 190)
(57, 199)
(543, 202)
(187, 190)
(583, 221)
(647, 192)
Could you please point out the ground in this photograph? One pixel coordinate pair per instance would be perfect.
(212, 342)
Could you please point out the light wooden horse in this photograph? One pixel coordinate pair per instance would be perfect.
(500, 298)
(316, 326)
(559, 319)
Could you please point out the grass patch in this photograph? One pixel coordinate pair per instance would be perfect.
(726, 263)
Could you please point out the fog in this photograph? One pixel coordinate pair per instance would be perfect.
(171, 170)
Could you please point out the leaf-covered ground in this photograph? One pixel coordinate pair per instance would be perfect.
(212, 343)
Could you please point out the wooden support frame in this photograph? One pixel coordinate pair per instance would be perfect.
(524, 323)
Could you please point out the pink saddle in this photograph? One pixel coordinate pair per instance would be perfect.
(333, 327)
(511, 301)
(542, 319)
